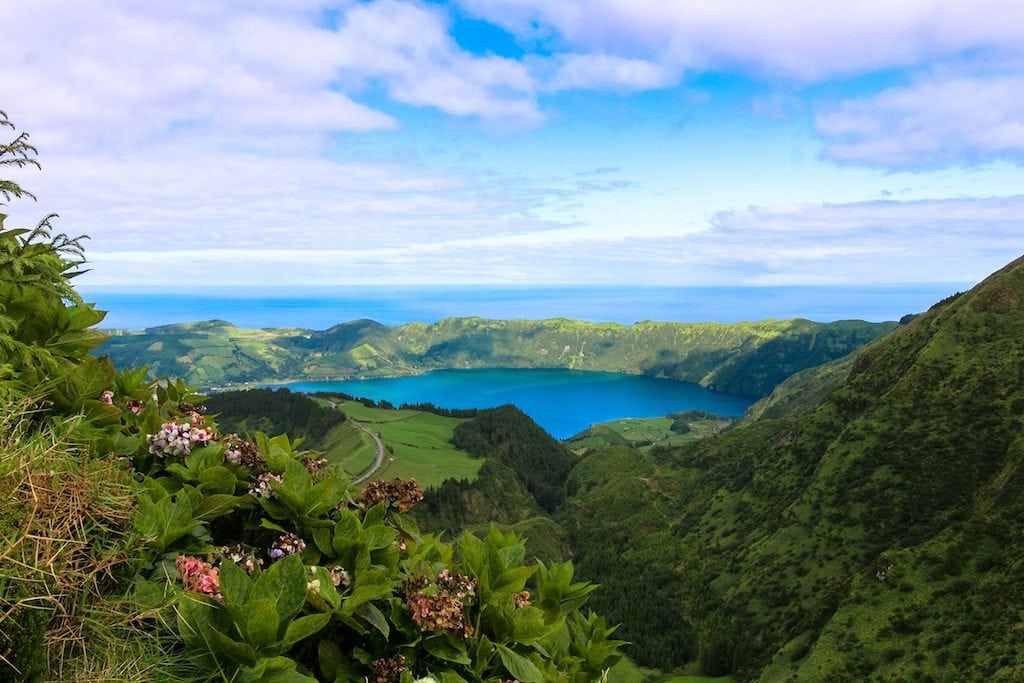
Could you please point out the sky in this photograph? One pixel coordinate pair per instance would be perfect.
(611, 142)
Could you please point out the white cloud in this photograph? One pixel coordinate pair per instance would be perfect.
(131, 73)
(598, 71)
(944, 241)
(938, 120)
(803, 39)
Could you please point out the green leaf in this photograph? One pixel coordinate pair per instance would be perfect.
(364, 594)
(240, 653)
(234, 584)
(446, 647)
(164, 522)
(304, 627)
(324, 496)
(521, 668)
(284, 584)
(377, 619)
(529, 625)
(220, 504)
(322, 539)
(375, 515)
(474, 556)
(261, 622)
(380, 537)
(274, 670)
(512, 580)
(217, 479)
(267, 524)
(330, 658)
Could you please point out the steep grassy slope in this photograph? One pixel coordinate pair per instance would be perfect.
(739, 358)
(875, 537)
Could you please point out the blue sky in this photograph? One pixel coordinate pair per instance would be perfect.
(524, 141)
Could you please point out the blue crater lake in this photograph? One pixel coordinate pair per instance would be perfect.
(564, 402)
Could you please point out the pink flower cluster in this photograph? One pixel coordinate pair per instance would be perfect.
(198, 576)
(177, 438)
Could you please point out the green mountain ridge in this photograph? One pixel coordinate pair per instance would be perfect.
(740, 358)
(875, 536)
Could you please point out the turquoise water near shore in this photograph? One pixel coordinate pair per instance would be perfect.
(564, 402)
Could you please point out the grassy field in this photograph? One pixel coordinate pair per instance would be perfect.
(350, 447)
(418, 443)
(644, 432)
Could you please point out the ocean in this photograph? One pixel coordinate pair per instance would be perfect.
(319, 308)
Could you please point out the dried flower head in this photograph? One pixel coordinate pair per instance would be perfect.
(440, 607)
(242, 452)
(247, 560)
(314, 465)
(387, 669)
(261, 487)
(401, 494)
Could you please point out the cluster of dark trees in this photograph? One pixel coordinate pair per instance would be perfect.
(508, 435)
(274, 411)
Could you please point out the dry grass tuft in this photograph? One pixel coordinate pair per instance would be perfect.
(65, 534)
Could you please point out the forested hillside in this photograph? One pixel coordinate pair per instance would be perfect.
(738, 358)
(875, 536)
(274, 412)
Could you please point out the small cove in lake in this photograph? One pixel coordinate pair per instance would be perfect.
(564, 402)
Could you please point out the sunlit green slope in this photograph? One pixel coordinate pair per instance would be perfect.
(875, 537)
(737, 358)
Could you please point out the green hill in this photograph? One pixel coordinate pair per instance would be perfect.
(875, 536)
(737, 358)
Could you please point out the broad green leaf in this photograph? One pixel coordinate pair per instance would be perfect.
(274, 670)
(364, 594)
(284, 584)
(220, 504)
(322, 539)
(330, 658)
(267, 524)
(376, 619)
(474, 556)
(512, 580)
(324, 496)
(234, 584)
(375, 515)
(240, 653)
(217, 479)
(380, 537)
(519, 666)
(304, 627)
(529, 625)
(446, 647)
(164, 522)
(261, 622)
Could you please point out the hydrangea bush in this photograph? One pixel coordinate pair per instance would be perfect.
(271, 566)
